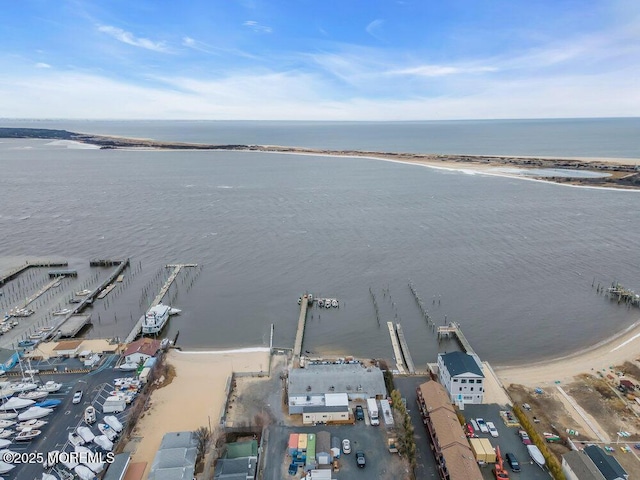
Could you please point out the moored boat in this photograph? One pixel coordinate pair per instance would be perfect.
(50, 387)
(108, 431)
(155, 319)
(34, 412)
(6, 432)
(75, 439)
(90, 415)
(113, 422)
(103, 442)
(24, 387)
(8, 415)
(64, 311)
(4, 442)
(15, 403)
(50, 403)
(83, 293)
(536, 455)
(86, 434)
(6, 423)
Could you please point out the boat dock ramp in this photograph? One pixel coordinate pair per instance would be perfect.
(405, 350)
(400, 350)
(137, 328)
(396, 349)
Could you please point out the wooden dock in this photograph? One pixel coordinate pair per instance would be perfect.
(106, 291)
(302, 320)
(137, 328)
(396, 349)
(405, 350)
(13, 273)
(454, 329)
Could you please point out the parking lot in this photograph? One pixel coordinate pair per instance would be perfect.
(508, 440)
(372, 440)
(66, 417)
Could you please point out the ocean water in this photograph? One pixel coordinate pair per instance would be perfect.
(512, 260)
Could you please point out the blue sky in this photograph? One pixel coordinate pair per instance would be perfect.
(319, 59)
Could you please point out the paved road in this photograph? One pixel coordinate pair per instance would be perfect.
(67, 416)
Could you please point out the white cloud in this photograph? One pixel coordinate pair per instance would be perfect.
(42, 65)
(440, 70)
(256, 27)
(373, 27)
(130, 39)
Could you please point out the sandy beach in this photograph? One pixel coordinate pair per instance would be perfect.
(195, 397)
(625, 346)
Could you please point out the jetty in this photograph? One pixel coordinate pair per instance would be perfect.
(397, 353)
(302, 320)
(623, 295)
(137, 328)
(405, 350)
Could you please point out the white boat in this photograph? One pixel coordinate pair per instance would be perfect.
(536, 455)
(4, 442)
(164, 344)
(48, 328)
(86, 434)
(175, 311)
(64, 311)
(113, 422)
(75, 439)
(35, 423)
(327, 303)
(90, 415)
(155, 319)
(27, 435)
(96, 467)
(6, 467)
(320, 302)
(334, 303)
(6, 432)
(52, 454)
(24, 386)
(6, 423)
(33, 395)
(83, 293)
(34, 412)
(50, 387)
(108, 431)
(8, 415)
(37, 336)
(84, 473)
(103, 442)
(6, 392)
(127, 367)
(15, 403)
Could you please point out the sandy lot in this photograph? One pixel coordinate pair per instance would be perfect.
(194, 397)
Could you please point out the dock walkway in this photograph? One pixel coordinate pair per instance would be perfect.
(13, 273)
(137, 328)
(396, 348)
(302, 320)
(405, 350)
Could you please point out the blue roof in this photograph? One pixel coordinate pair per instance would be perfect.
(458, 363)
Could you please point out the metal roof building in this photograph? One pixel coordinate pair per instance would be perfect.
(118, 469)
(578, 466)
(607, 464)
(176, 457)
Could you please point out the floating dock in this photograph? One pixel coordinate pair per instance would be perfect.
(106, 291)
(405, 350)
(137, 328)
(63, 273)
(396, 349)
(302, 320)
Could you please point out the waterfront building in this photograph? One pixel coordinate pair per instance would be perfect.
(461, 374)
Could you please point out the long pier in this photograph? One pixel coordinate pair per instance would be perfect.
(137, 328)
(454, 329)
(18, 270)
(405, 350)
(396, 348)
(302, 320)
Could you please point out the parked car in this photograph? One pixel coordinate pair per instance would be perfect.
(482, 425)
(493, 431)
(360, 459)
(359, 412)
(525, 437)
(346, 446)
(513, 462)
(77, 397)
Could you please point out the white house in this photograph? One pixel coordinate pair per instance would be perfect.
(461, 374)
(141, 350)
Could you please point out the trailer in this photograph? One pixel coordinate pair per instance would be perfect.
(114, 405)
(372, 406)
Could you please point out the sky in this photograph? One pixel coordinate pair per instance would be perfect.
(319, 59)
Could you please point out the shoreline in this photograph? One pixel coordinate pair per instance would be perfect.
(624, 172)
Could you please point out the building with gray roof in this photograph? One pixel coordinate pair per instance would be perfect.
(176, 457)
(578, 466)
(308, 386)
(607, 464)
